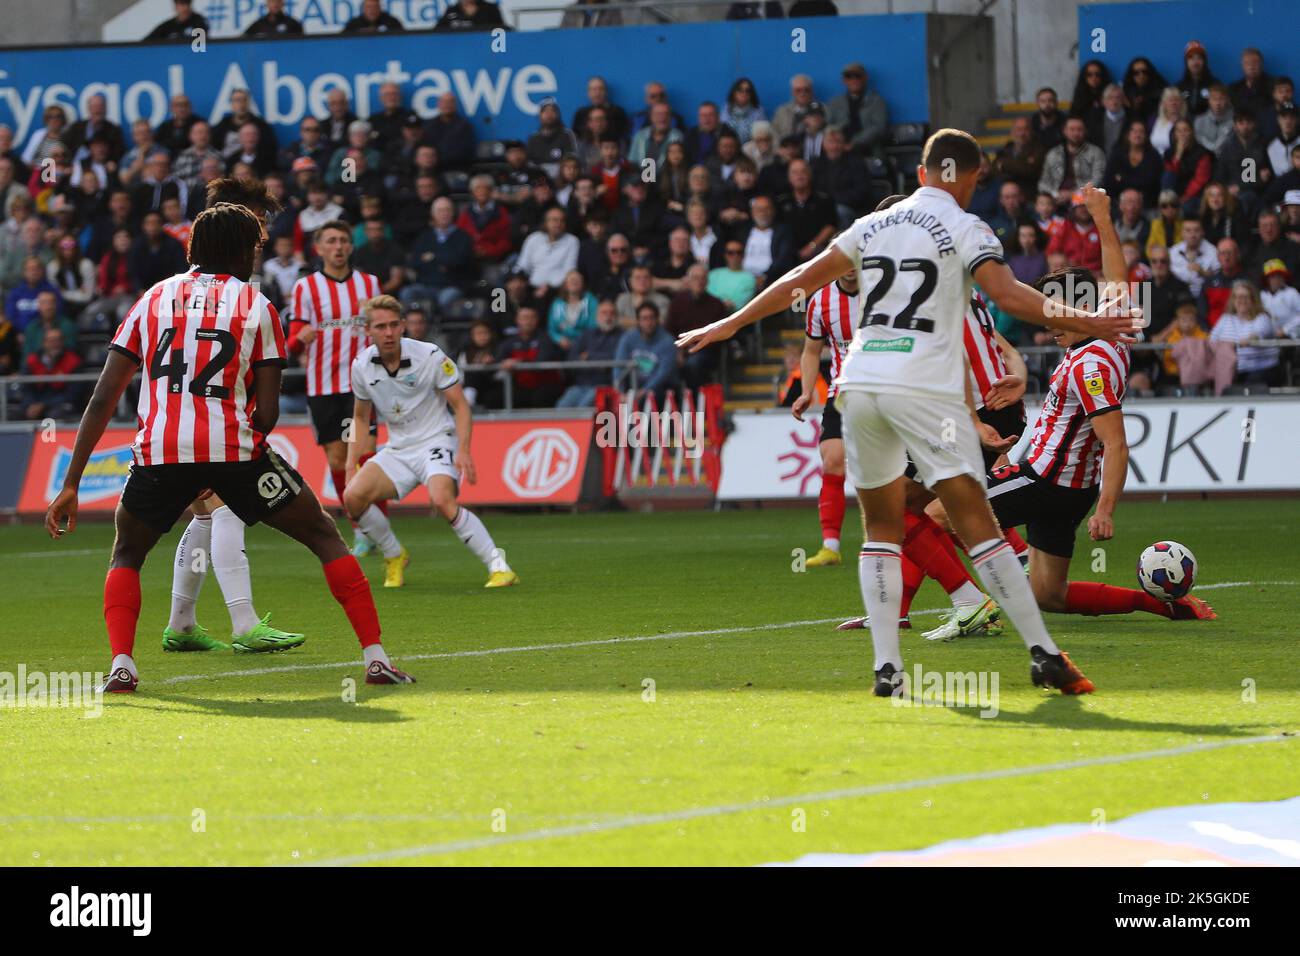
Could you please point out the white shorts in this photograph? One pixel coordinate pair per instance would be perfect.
(882, 430)
(408, 468)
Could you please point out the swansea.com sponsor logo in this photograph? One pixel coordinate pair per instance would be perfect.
(83, 909)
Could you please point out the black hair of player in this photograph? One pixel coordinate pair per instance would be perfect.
(1073, 286)
(952, 149)
(889, 201)
(243, 192)
(224, 240)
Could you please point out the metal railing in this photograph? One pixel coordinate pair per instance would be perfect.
(656, 10)
(125, 405)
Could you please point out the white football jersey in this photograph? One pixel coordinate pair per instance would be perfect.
(915, 262)
(411, 401)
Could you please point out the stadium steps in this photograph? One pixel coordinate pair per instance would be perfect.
(995, 129)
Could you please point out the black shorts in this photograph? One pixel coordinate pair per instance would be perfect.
(1008, 421)
(1050, 512)
(158, 494)
(832, 423)
(330, 414)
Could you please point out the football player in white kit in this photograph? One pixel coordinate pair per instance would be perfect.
(415, 389)
(904, 388)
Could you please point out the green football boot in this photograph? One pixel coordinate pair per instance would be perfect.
(196, 639)
(265, 639)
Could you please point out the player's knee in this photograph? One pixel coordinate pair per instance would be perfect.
(833, 464)
(354, 503)
(444, 502)
(1050, 596)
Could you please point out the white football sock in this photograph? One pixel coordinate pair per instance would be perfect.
(1004, 579)
(124, 660)
(231, 565)
(968, 593)
(375, 525)
(375, 652)
(475, 536)
(880, 575)
(831, 544)
(193, 551)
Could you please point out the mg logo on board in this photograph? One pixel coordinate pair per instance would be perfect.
(540, 463)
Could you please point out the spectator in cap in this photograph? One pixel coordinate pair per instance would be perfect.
(761, 147)
(742, 109)
(275, 23)
(515, 182)
(181, 27)
(1287, 138)
(1291, 215)
(784, 120)
(1281, 299)
(552, 141)
(1197, 78)
(451, 134)
(859, 111)
(1254, 90)
(372, 19)
(812, 120)
(468, 16)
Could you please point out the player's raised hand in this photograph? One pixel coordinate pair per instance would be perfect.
(1096, 201)
(800, 406)
(697, 339)
(62, 508)
(1005, 392)
(468, 473)
(1115, 323)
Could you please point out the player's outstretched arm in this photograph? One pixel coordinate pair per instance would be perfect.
(1010, 388)
(460, 407)
(118, 371)
(810, 367)
(796, 285)
(1113, 269)
(1109, 429)
(361, 412)
(1029, 305)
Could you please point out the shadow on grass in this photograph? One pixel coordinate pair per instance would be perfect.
(332, 707)
(1068, 713)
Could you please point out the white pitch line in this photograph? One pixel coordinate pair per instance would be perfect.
(523, 648)
(825, 796)
(600, 642)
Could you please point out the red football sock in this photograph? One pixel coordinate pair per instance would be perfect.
(912, 578)
(351, 589)
(1093, 598)
(1014, 539)
(926, 544)
(830, 506)
(121, 608)
(381, 504)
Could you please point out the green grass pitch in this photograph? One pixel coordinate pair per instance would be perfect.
(557, 753)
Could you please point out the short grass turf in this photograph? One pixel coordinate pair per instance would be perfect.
(560, 754)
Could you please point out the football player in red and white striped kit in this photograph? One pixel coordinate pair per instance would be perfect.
(212, 351)
(328, 326)
(1078, 453)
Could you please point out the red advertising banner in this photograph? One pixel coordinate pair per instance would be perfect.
(522, 461)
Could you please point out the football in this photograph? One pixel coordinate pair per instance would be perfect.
(1167, 570)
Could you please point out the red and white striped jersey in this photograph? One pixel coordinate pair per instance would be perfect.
(987, 363)
(1090, 380)
(199, 336)
(333, 308)
(833, 314)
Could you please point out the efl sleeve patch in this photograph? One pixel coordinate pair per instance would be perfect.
(1094, 382)
(448, 367)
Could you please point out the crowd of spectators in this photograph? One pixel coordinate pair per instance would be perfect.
(517, 250)
(1204, 177)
